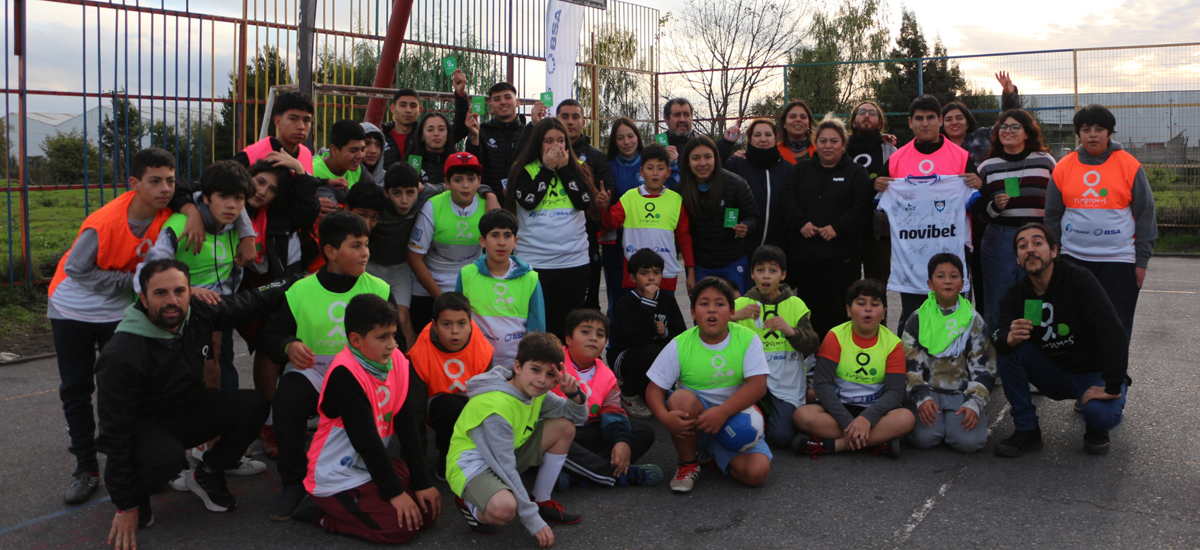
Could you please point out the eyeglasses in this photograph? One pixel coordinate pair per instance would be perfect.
(1011, 128)
(867, 112)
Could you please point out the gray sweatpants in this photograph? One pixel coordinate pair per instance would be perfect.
(948, 427)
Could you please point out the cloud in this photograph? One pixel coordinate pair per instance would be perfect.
(1132, 22)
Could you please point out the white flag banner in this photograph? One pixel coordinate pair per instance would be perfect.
(563, 24)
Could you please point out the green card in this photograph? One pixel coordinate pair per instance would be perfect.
(415, 162)
(1012, 187)
(547, 99)
(1033, 312)
(731, 217)
(449, 64)
(661, 139)
(478, 105)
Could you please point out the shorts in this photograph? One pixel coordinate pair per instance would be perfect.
(721, 455)
(738, 272)
(399, 278)
(481, 488)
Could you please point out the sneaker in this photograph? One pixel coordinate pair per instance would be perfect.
(1019, 443)
(269, 447)
(635, 406)
(553, 512)
(1078, 406)
(180, 481)
(566, 481)
(195, 455)
(891, 449)
(805, 445)
(308, 512)
(286, 503)
(83, 485)
(641, 474)
(472, 521)
(211, 488)
(685, 477)
(705, 459)
(247, 467)
(145, 515)
(1095, 442)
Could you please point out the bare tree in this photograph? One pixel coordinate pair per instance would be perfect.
(743, 35)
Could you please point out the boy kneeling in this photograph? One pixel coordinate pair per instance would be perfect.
(511, 423)
(357, 489)
(719, 371)
(859, 380)
(951, 363)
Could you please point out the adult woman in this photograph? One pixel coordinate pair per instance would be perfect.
(552, 195)
(430, 144)
(1015, 176)
(828, 203)
(794, 131)
(721, 212)
(766, 172)
(959, 125)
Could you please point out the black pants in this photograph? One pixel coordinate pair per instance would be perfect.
(295, 402)
(420, 311)
(236, 416)
(563, 290)
(76, 343)
(443, 413)
(631, 366)
(592, 301)
(822, 284)
(590, 456)
(229, 373)
(876, 259)
(1119, 280)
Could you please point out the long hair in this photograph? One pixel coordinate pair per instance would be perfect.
(533, 153)
(782, 129)
(416, 141)
(972, 124)
(1033, 132)
(689, 186)
(613, 152)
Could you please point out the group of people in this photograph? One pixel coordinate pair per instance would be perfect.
(393, 282)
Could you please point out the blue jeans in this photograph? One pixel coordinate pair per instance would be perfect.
(1000, 269)
(736, 271)
(1030, 366)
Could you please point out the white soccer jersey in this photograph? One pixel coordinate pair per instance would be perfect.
(928, 215)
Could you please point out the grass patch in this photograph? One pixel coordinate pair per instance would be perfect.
(54, 220)
(1178, 244)
(24, 328)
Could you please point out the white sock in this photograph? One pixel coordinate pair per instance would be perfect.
(547, 476)
(270, 419)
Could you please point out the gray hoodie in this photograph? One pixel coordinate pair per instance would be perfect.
(168, 243)
(494, 440)
(1141, 206)
(377, 172)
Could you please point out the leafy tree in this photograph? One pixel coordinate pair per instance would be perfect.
(63, 162)
(618, 93)
(267, 69)
(121, 135)
(827, 78)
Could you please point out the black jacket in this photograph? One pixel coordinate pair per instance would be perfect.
(767, 174)
(634, 321)
(141, 377)
(713, 244)
(840, 197)
(295, 209)
(1086, 334)
(498, 145)
(392, 151)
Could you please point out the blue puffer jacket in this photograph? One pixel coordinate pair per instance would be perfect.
(627, 174)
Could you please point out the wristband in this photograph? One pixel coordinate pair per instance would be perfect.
(578, 392)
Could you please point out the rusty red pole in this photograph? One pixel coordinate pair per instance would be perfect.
(401, 9)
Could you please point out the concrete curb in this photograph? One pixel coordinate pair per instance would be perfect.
(1176, 255)
(28, 359)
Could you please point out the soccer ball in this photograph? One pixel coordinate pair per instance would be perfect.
(742, 431)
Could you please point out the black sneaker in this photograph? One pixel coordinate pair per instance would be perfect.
(83, 486)
(553, 512)
(472, 521)
(285, 505)
(805, 445)
(891, 449)
(145, 515)
(308, 512)
(1019, 443)
(211, 488)
(1095, 441)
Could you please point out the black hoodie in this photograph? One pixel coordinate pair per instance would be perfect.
(839, 197)
(498, 145)
(767, 173)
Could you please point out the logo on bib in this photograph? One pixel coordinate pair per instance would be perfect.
(1092, 180)
(718, 363)
(144, 247)
(462, 227)
(462, 369)
(863, 159)
(501, 290)
(649, 208)
(337, 317)
(925, 170)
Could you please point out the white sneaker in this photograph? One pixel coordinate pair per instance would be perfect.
(685, 478)
(247, 467)
(195, 455)
(180, 481)
(635, 406)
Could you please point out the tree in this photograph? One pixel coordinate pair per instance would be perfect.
(726, 34)
(827, 77)
(265, 70)
(8, 158)
(121, 135)
(905, 76)
(618, 93)
(63, 163)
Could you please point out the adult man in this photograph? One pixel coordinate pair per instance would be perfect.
(496, 143)
(928, 154)
(1100, 204)
(152, 402)
(678, 114)
(405, 109)
(868, 147)
(1059, 332)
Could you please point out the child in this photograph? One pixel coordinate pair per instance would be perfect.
(448, 353)
(389, 261)
(951, 363)
(706, 401)
(653, 217)
(366, 400)
(783, 322)
(644, 321)
(444, 238)
(859, 380)
(608, 442)
(342, 165)
(505, 293)
(306, 335)
(373, 153)
(511, 423)
(292, 118)
(368, 202)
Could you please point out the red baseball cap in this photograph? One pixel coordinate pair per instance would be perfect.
(459, 161)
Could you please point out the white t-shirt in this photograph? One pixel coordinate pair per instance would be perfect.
(665, 370)
(444, 261)
(929, 215)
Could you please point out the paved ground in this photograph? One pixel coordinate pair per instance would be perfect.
(1145, 494)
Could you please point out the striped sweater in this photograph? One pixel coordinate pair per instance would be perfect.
(1032, 172)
